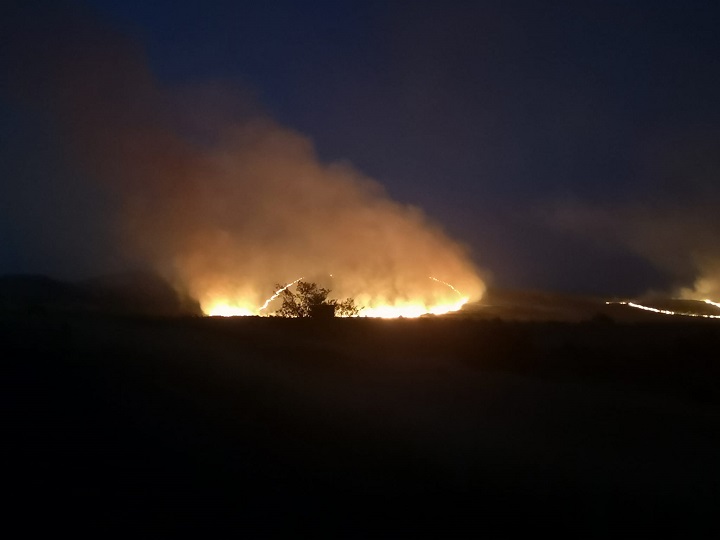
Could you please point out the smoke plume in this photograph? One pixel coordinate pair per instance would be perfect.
(219, 198)
(675, 224)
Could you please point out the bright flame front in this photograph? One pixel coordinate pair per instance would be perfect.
(379, 307)
(226, 309)
(411, 310)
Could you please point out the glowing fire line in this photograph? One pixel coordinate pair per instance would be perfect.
(223, 309)
(386, 311)
(716, 304)
(278, 293)
(447, 285)
(667, 311)
(416, 309)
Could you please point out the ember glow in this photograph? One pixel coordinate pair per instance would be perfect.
(411, 310)
(448, 285)
(667, 311)
(373, 307)
(224, 309)
(278, 293)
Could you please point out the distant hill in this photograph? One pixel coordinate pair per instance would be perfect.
(524, 305)
(529, 305)
(134, 293)
(143, 293)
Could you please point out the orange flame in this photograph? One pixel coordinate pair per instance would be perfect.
(379, 307)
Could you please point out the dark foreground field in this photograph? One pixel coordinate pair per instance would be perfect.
(437, 427)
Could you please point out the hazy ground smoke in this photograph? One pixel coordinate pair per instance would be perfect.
(215, 196)
(679, 237)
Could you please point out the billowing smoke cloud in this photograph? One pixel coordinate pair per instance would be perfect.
(675, 224)
(222, 200)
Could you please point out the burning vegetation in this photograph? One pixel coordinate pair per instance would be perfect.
(308, 296)
(312, 301)
(224, 202)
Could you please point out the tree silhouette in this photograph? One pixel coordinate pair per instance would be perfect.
(307, 298)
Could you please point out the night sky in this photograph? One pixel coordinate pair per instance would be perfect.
(505, 121)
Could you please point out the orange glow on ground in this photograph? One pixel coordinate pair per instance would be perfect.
(667, 311)
(411, 310)
(407, 310)
(225, 307)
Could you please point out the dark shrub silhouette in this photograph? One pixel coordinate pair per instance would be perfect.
(309, 300)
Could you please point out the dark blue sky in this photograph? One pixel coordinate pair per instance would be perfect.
(485, 114)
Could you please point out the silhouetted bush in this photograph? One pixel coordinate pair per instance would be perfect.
(309, 300)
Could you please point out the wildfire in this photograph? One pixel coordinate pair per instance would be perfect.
(416, 309)
(447, 285)
(411, 310)
(226, 309)
(669, 312)
(278, 293)
(372, 307)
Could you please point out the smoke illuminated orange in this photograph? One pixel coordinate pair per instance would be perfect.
(224, 202)
(371, 307)
(411, 310)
